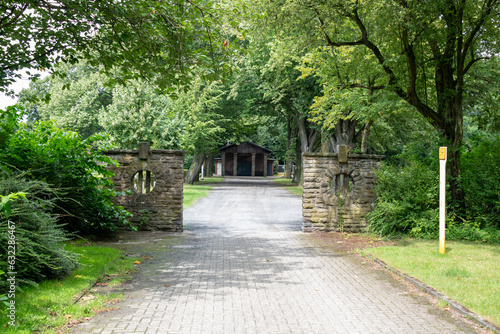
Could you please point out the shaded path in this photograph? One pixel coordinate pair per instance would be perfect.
(244, 266)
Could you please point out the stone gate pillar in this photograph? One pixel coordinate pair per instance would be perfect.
(338, 195)
(154, 180)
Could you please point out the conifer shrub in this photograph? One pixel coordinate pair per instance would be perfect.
(30, 234)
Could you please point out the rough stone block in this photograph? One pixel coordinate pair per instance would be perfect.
(321, 207)
(161, 209)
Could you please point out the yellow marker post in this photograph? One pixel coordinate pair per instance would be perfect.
(442, 198)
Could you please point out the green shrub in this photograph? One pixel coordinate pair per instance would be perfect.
(73, 169)
(9, 122)
(407, 198)
(481, 181)
(408, 195)
(34, 235)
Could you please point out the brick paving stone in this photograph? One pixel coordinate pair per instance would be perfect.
(243, 265)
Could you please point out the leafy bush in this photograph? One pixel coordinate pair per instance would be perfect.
(36, 235)
(9, 122)
(481, 181)
(408, 195)
(73, 169)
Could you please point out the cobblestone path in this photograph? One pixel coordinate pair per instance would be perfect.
(244, 266)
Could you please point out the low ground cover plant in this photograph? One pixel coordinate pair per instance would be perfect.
(30, 237)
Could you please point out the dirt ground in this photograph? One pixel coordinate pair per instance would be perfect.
(350, 241)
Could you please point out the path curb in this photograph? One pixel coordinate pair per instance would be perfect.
(428, 289)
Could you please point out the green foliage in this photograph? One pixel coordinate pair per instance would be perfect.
(76, 172)
(137, 38)
(29, 232)
(138, 113)
(73, 99)
(407, 195)
(169, 42)
(5, 206)
(481, 181)
(204, 120)
(51, 29)
(9, 122)
(407, 198)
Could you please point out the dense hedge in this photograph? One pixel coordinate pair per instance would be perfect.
(481, 181)
(73, 169)
(408, 194)
(53, 186)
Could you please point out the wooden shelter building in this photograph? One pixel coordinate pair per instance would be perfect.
(246, 159)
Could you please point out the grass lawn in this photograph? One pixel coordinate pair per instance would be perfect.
(48, 307)
(292, 187)
(468, 273)
(198, 190)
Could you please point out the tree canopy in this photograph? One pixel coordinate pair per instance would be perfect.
(159, 40)
(375, 75)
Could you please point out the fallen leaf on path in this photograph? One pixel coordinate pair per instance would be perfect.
(137, 262)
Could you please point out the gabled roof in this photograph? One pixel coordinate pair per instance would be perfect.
(223, 148)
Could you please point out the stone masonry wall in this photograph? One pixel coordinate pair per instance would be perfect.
(330, 206)
(161, 207)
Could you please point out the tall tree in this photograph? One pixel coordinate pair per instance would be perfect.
(351, 99)
(73, 100)
(138, 113)
(157, 39)
(425, 49)
(204, 121)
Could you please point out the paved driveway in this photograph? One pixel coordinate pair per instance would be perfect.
(244, 266)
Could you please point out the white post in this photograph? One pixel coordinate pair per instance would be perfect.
(202, 170)
(442, 198)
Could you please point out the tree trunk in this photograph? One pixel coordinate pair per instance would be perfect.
(288, 162)
(345, 134)
(364, 135)
(307, 138)
(298, 174)
(194, 170)
(454, 136)
(209, 166)
(327, 143)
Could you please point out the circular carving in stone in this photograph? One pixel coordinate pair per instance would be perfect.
(339, 184)
(143, 182)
